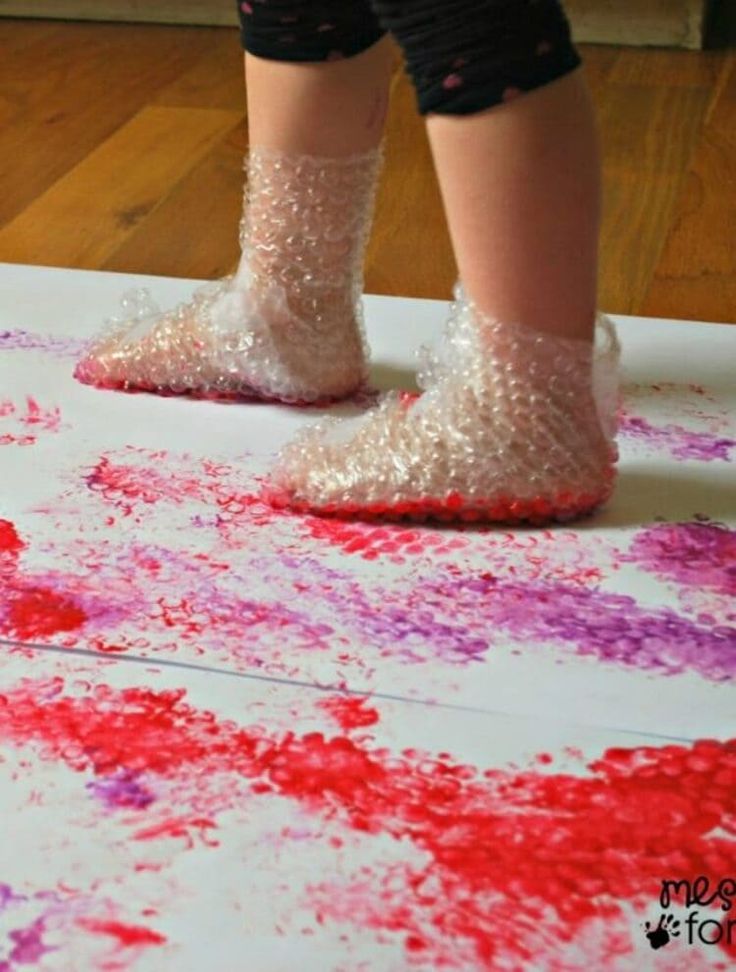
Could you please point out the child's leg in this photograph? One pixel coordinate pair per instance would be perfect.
(521, 185)
(287, 325)
(520, 176)
(516, 421)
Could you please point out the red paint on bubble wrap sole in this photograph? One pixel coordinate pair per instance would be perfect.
(454, 508)
(521, 863)
(86, 374)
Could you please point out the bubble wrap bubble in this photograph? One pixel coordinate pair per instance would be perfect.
(513, 425)
(288, 324)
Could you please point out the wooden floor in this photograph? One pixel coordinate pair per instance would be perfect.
(121, 148)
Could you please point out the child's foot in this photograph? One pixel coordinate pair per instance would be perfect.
(230, 340)
(288, 325)
(514, 425)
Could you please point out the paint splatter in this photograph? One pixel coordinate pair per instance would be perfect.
(349, 712)
(35, 613)
(677, 441)
(10, 543)
(521, 863)
(122, 790)
(19, 340)
(695, 554)
(21, 425)
(610, 627)
(217, 494)
(153, 599)
(125, 935)
(371, 542)
(28, 946)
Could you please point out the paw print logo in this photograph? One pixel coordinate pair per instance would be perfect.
(667, 928)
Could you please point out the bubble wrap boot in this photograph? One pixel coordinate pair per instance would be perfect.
(513, 425)
(288, 325)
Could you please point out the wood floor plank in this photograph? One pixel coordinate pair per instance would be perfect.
(648, 137)
(72, 100)
(678, 69)
(696, 275)
(410, 251)
(86, 215)
(214, 80)
(194, 230)
(598, 63)
(75, 86)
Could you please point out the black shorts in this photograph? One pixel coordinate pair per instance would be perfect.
(463, 56)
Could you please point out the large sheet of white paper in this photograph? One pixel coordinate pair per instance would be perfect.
(537, 694)
(165, 820)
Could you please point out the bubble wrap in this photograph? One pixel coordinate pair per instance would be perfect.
(513, 425)
(288, 324)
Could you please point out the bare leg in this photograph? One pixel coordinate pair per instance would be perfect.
(326, 109)
(521, 187)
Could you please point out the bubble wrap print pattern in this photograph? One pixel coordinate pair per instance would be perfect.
(288, 325)
(513, 425)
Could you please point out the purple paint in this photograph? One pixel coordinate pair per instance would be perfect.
(124, 790)
(694, 554)
(459, 618)
(28, 946)
(7, 897)
(18, 340)
(678, 441)
(396, 624)
(611, 627)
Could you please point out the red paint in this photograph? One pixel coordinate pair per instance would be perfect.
(128, 936)
(180, 827)
(554, 849)
(372, 542)
(37, 612)
(349, 712)
(561, 506)
(10, 542)
(48, 420)
(133, 479)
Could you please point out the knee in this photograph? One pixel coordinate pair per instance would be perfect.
(466, 56)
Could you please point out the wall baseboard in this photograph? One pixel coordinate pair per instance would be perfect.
(666, 23)
(215, 13)
(656, 23)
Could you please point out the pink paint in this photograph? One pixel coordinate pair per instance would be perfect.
(693, 554)
(676, 440)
